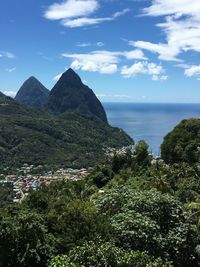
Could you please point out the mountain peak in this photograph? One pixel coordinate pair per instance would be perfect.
(32, 93)
(70, 70)
(32, 78)
(70, 77)
(70, 95)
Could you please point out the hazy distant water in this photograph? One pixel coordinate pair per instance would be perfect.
(149, 122)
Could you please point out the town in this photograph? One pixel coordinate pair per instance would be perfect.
(25, 180)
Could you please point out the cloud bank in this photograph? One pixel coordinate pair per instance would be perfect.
(77, 13)
(181, 27)
(107, 62)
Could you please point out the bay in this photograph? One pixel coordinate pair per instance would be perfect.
(149, 121)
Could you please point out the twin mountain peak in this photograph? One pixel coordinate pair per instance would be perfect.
(68, 95)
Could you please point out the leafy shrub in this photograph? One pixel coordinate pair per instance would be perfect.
(182, 144)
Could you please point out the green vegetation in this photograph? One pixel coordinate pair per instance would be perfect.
(132, 210)
(6, 195)
(75, 224)
(182, 144)
(31, 136)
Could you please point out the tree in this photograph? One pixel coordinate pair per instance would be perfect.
(75, 222)
(141, 152)
(101, 175)
(182, 144)
(6, 194)
(159, 171)
(61, 261)
(150, 220)
(121, 159)
(135, 231)
(25, 241)
(98, 254)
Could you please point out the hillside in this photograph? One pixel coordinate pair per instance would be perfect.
(32, 93)
(132, 211)
(32, 136)
(182, 143)
(70, 94)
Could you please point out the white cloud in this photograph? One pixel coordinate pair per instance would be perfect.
(57, 77)
(165, 51)
(10, 70)
(80, 22)
(181, 26)
(159, 78)
(121, 97)
(114, 96)
(121, 13)
(110, 69)
(100, 44)
(135, 54)
(176, 7)
(190, 70)
(135, 69)
(87, 21)
(164, 78)
(76, 13)
(102, 61)
(154, 69)
(96, 61)
(6, 55)
(71, 9)
(83, 44)
(193, 71)
(10, 93)
(183, 65)
(155, 78)
(144, 67)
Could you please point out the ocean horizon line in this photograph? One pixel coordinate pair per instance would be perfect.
(170, 103)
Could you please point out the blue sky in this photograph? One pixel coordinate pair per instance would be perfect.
(126, 51)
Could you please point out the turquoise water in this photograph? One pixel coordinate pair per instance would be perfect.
(149, 122)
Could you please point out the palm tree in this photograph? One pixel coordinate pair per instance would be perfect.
(159, 173)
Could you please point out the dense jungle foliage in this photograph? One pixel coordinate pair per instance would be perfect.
(132, 211)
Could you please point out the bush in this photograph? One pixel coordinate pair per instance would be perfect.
(61, 261)
(149, 220)
(182, 144)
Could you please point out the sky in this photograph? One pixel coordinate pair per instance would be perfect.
(126, 51)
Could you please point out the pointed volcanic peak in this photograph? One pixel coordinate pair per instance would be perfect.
(70, 77)
(71, 95)
(32, 93)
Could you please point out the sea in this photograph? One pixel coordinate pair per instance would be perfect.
(149, 122)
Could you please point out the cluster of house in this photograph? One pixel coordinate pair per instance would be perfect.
(24, 181)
